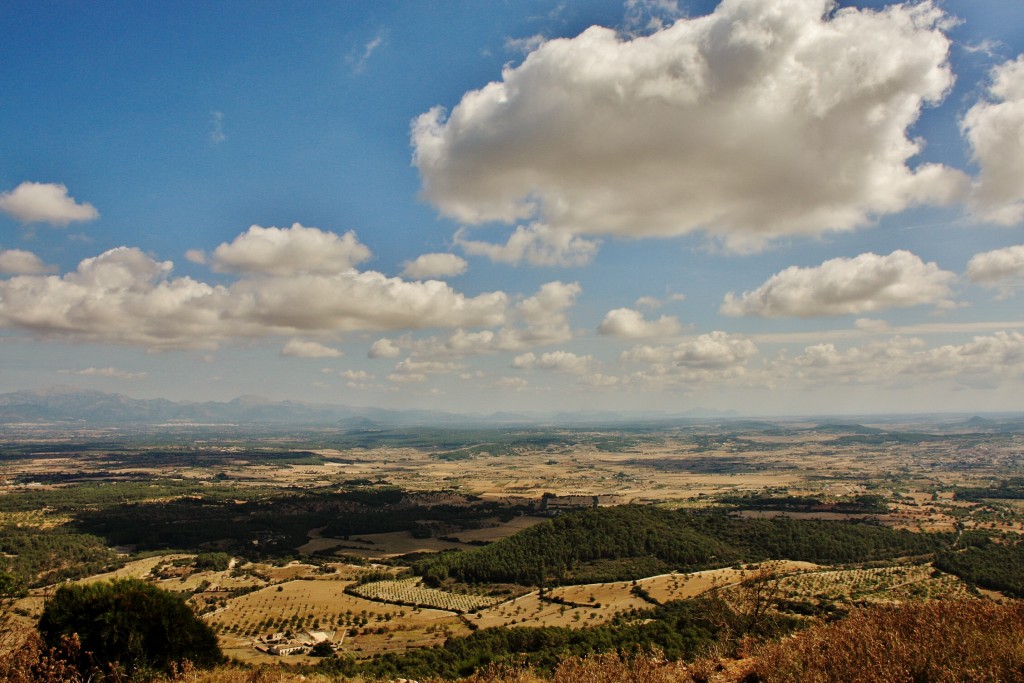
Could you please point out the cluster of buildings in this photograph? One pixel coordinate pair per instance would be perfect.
(549, 502)
(282, 644)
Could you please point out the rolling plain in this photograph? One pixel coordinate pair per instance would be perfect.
(369, 538)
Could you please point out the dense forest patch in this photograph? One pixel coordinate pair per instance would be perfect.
(566, 548)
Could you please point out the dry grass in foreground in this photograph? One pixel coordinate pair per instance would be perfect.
(970, 640)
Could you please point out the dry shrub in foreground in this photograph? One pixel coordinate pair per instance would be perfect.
(610, 668)
(34, 662)
(242, 674)
(603, 668)
(971, 640)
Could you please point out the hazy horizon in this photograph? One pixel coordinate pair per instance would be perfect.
(401, 417)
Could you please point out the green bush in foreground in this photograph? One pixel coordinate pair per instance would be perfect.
(128, 625)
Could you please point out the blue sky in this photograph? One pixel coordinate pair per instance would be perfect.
(771, 206)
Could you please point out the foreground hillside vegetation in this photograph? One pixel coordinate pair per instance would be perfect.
(935, 641)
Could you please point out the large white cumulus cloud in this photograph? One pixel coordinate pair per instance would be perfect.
(124, 296)
(1002, 268)
(120, 296)
(764, 118)
(995, 130)
(844, 286)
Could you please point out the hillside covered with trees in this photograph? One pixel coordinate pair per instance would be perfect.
(629, 542)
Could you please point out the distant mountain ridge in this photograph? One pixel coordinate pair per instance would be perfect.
(66, 404)
(89, 407)
(72, 406)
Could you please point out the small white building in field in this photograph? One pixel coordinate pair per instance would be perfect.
(287, 648)
(317, 637)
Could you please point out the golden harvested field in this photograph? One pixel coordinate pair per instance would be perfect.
(390, 544)
(292, 570)
(677, 586)
(305, 604)
(530, 610)
(500, 529)
(139, 569)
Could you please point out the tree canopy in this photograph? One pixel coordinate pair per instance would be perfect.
(130, 624)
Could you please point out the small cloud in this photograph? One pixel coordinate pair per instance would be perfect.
(290, 251)
(19, 262)
(356, 375)
(196, 256)
(524, 45)
(407, 377)
(358, 58)
(114, 373)
(45, 203)
(217, 135)
(649, 16)
(871, 325)
(384, 348)
(511, 383)
(537, 244)
(651, 303)
(626, 323)
(999, 264)
(555, 361)
(1001, 268)
(411, 370)
(987, 47)
(357, 379)
(430, 266)
(298, 348)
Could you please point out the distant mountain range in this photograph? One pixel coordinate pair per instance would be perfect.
(86, 407)
(69, 406)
